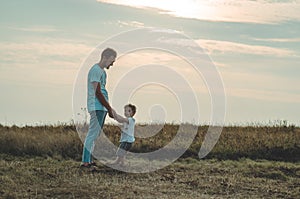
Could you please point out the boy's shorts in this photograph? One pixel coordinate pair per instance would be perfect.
(123, 148)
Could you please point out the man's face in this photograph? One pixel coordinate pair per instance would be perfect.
(110, 61)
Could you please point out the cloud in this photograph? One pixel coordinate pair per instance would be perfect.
(283, 40)
(265, 95)
(217, 46)
(135, 24)
(261, 86)
(259, 11)
(35, 51)
(224, 47)
(50, 62)
(41, 29)
(121, 23)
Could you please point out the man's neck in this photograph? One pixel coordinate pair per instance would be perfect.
(101, 65)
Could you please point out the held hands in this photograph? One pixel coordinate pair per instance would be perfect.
(118, 118)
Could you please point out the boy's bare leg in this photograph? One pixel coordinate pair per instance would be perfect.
(116, 161)
(120, 160)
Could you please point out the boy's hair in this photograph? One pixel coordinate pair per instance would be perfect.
(108, 52)
(132, 107)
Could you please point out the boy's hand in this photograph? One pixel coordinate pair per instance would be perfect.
(114, 113)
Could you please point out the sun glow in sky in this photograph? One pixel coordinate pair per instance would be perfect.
(259, 11)
(188, 8)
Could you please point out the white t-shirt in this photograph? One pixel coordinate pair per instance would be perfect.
(127, 134)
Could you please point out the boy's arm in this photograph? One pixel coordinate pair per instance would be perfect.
(119, 118)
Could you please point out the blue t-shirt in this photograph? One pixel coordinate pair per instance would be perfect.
(96, 74)
(127, 134)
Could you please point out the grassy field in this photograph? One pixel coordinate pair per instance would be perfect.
(247, 162)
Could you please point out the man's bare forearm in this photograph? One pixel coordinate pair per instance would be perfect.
(102, 100)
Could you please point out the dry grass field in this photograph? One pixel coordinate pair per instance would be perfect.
(247, 162)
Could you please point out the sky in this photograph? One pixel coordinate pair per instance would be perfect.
(254, 45)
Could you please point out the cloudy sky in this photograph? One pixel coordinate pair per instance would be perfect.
(255, 46)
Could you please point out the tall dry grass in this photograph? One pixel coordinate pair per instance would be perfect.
(255, 142)
(49, 140)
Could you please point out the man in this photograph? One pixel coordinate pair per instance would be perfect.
(97, 103)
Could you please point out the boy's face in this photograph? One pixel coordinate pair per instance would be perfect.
(128, 112)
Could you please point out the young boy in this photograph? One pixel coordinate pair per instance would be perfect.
(127, 135)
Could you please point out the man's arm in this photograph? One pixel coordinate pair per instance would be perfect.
(101, 98)
(119, 118)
